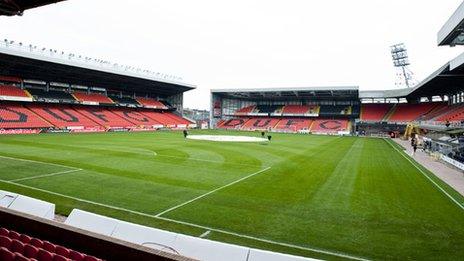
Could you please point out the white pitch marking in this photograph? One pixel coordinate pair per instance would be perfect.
(190, 224)
(205, 234)
(46, 175)
(41, 162)
(427, 176)
(211, 192)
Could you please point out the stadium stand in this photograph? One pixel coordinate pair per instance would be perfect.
(440, 109)
(177, 118)
(135, 117)
(236, 123)
(151, 103)
(295, 109)
(165, 118)
(260, 124)
(16, 246)
(61, 116)
(13, 93)
(10, 80)
(245, 110)
(51, 95)
(452, 114)
(268, 109)
(13, 115)
(293, 124)
(68, 244)
(374, 112)
(329, 126)
(332, 110)
(127, 101)
(410, 112)
(103, 117)
(92, 98)
(300, 110)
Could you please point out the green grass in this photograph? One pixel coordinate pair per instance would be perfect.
(353, 196)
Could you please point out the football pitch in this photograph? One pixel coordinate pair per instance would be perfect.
(317, 196)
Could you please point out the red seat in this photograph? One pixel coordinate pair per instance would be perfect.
(6, 255)
(92, 97)
(44, 255)
(14, 235)
(374, 112)
(24, 238)
(62, 251)
(19, 257)
(5, 242)
(151, 103)
(74, 255)
(60, 258)
(49, 247)
(4, 232)
(17, 246)
(30, 251)
(36, 242)
(10, 90)
(91, 258)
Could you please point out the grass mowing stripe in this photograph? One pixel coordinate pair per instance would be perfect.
(427, 176)
(212, 191)
(205, 160)
(46, 175)
(41, 162)
(189, 224)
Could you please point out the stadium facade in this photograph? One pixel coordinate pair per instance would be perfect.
(435, 103)
(44, 90)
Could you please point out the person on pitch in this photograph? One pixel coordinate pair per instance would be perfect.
(185, 134)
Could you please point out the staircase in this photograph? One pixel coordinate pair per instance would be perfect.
(389, 113)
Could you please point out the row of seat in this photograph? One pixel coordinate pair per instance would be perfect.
(404, 112)
(286, 124)
(42, 95)
(10, 90)
(16, 246)
(34, 115)
(92, 97)
(298, 110)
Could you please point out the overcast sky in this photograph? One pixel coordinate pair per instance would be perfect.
(246, 43)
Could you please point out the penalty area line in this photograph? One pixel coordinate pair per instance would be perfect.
(211, 192)
(316, 250)
(46, 175)
(39, 162)
(427, 176)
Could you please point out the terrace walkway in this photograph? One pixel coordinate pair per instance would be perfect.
(454, 178)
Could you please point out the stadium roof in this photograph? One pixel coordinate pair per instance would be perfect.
(448, 79)
(56, 67)
(452, 32)
(395, 93)
(17, 7)
(290, 93)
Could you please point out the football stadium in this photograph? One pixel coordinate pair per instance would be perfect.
(98, 161)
